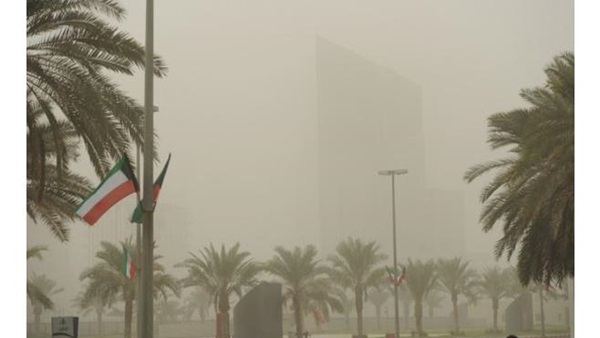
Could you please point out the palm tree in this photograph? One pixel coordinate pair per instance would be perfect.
(378, 297)
(420, 279)
(495, 283)
(221, 273)
(356, 265)
(53, 201)
(433, 300)
(107, 282)
(35, 294)
(198, 300)
(47, 287)
(544, 292)
(53, 191)
(456, 278)
(321, 301)
(533, 191)
(406, 298)
(71, 48)
(305, 282)
(96, 304)
(168, 311)
(348, 304)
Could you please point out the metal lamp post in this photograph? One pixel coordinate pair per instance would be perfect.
(147, 282)
(138, 247)
(393, 173)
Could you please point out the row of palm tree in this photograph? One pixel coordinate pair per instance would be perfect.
(312, 286)
(318, 287)
(309, 284)
(106, 283)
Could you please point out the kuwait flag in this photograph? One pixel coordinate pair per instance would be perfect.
(128, 266)
(137, 213)
(119, 183)
(392, 275)
(403, 275)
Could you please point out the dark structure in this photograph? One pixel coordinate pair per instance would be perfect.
(259, 313)
(519, 314)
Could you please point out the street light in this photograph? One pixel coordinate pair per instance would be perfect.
(138, 244)
(393, 173)
(147, 278)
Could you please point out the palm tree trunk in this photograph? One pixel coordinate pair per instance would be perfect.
(225, 323)
(128, 317)
(542, 312)
(37, 315)
(99, 320)
(406, 312)
(224, 310)
(202, 314)
(378, 315)
(419, 316)
(495, 308)
(359, 307)
(298, 315)
(455, 310)
(347, 315)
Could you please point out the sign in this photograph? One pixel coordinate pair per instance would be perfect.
(65, 326)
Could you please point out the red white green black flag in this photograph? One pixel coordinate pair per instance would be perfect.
(118, 184)
(128, 267)
(136, 217)
(394, 277)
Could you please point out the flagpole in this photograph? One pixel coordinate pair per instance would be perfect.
(147, 202)
(393, 173)
(138, 246)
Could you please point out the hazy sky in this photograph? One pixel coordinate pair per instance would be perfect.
(237, 105)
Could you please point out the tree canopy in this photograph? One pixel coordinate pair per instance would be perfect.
(532, 194)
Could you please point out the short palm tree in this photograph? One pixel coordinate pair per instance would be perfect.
(97, 305)
(357, 266)
(197, 301)
(406, 298)
(495, 283)
(34, 293)
(48, 288)
(221, 273)
(378, 297)
(433, 300)
(107, 282)
(420, 280)
(306, 283)
(532, 193)
(348, 304)
(168, 311)
(456, 278)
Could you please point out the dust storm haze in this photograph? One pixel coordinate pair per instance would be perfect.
(278, 116)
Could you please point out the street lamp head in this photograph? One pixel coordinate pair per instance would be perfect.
(393, 172)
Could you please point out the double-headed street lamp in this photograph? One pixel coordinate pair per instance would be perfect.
(393, 173)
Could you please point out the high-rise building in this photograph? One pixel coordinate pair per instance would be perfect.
(370, 119)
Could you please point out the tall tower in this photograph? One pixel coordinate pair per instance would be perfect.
(369, 119)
